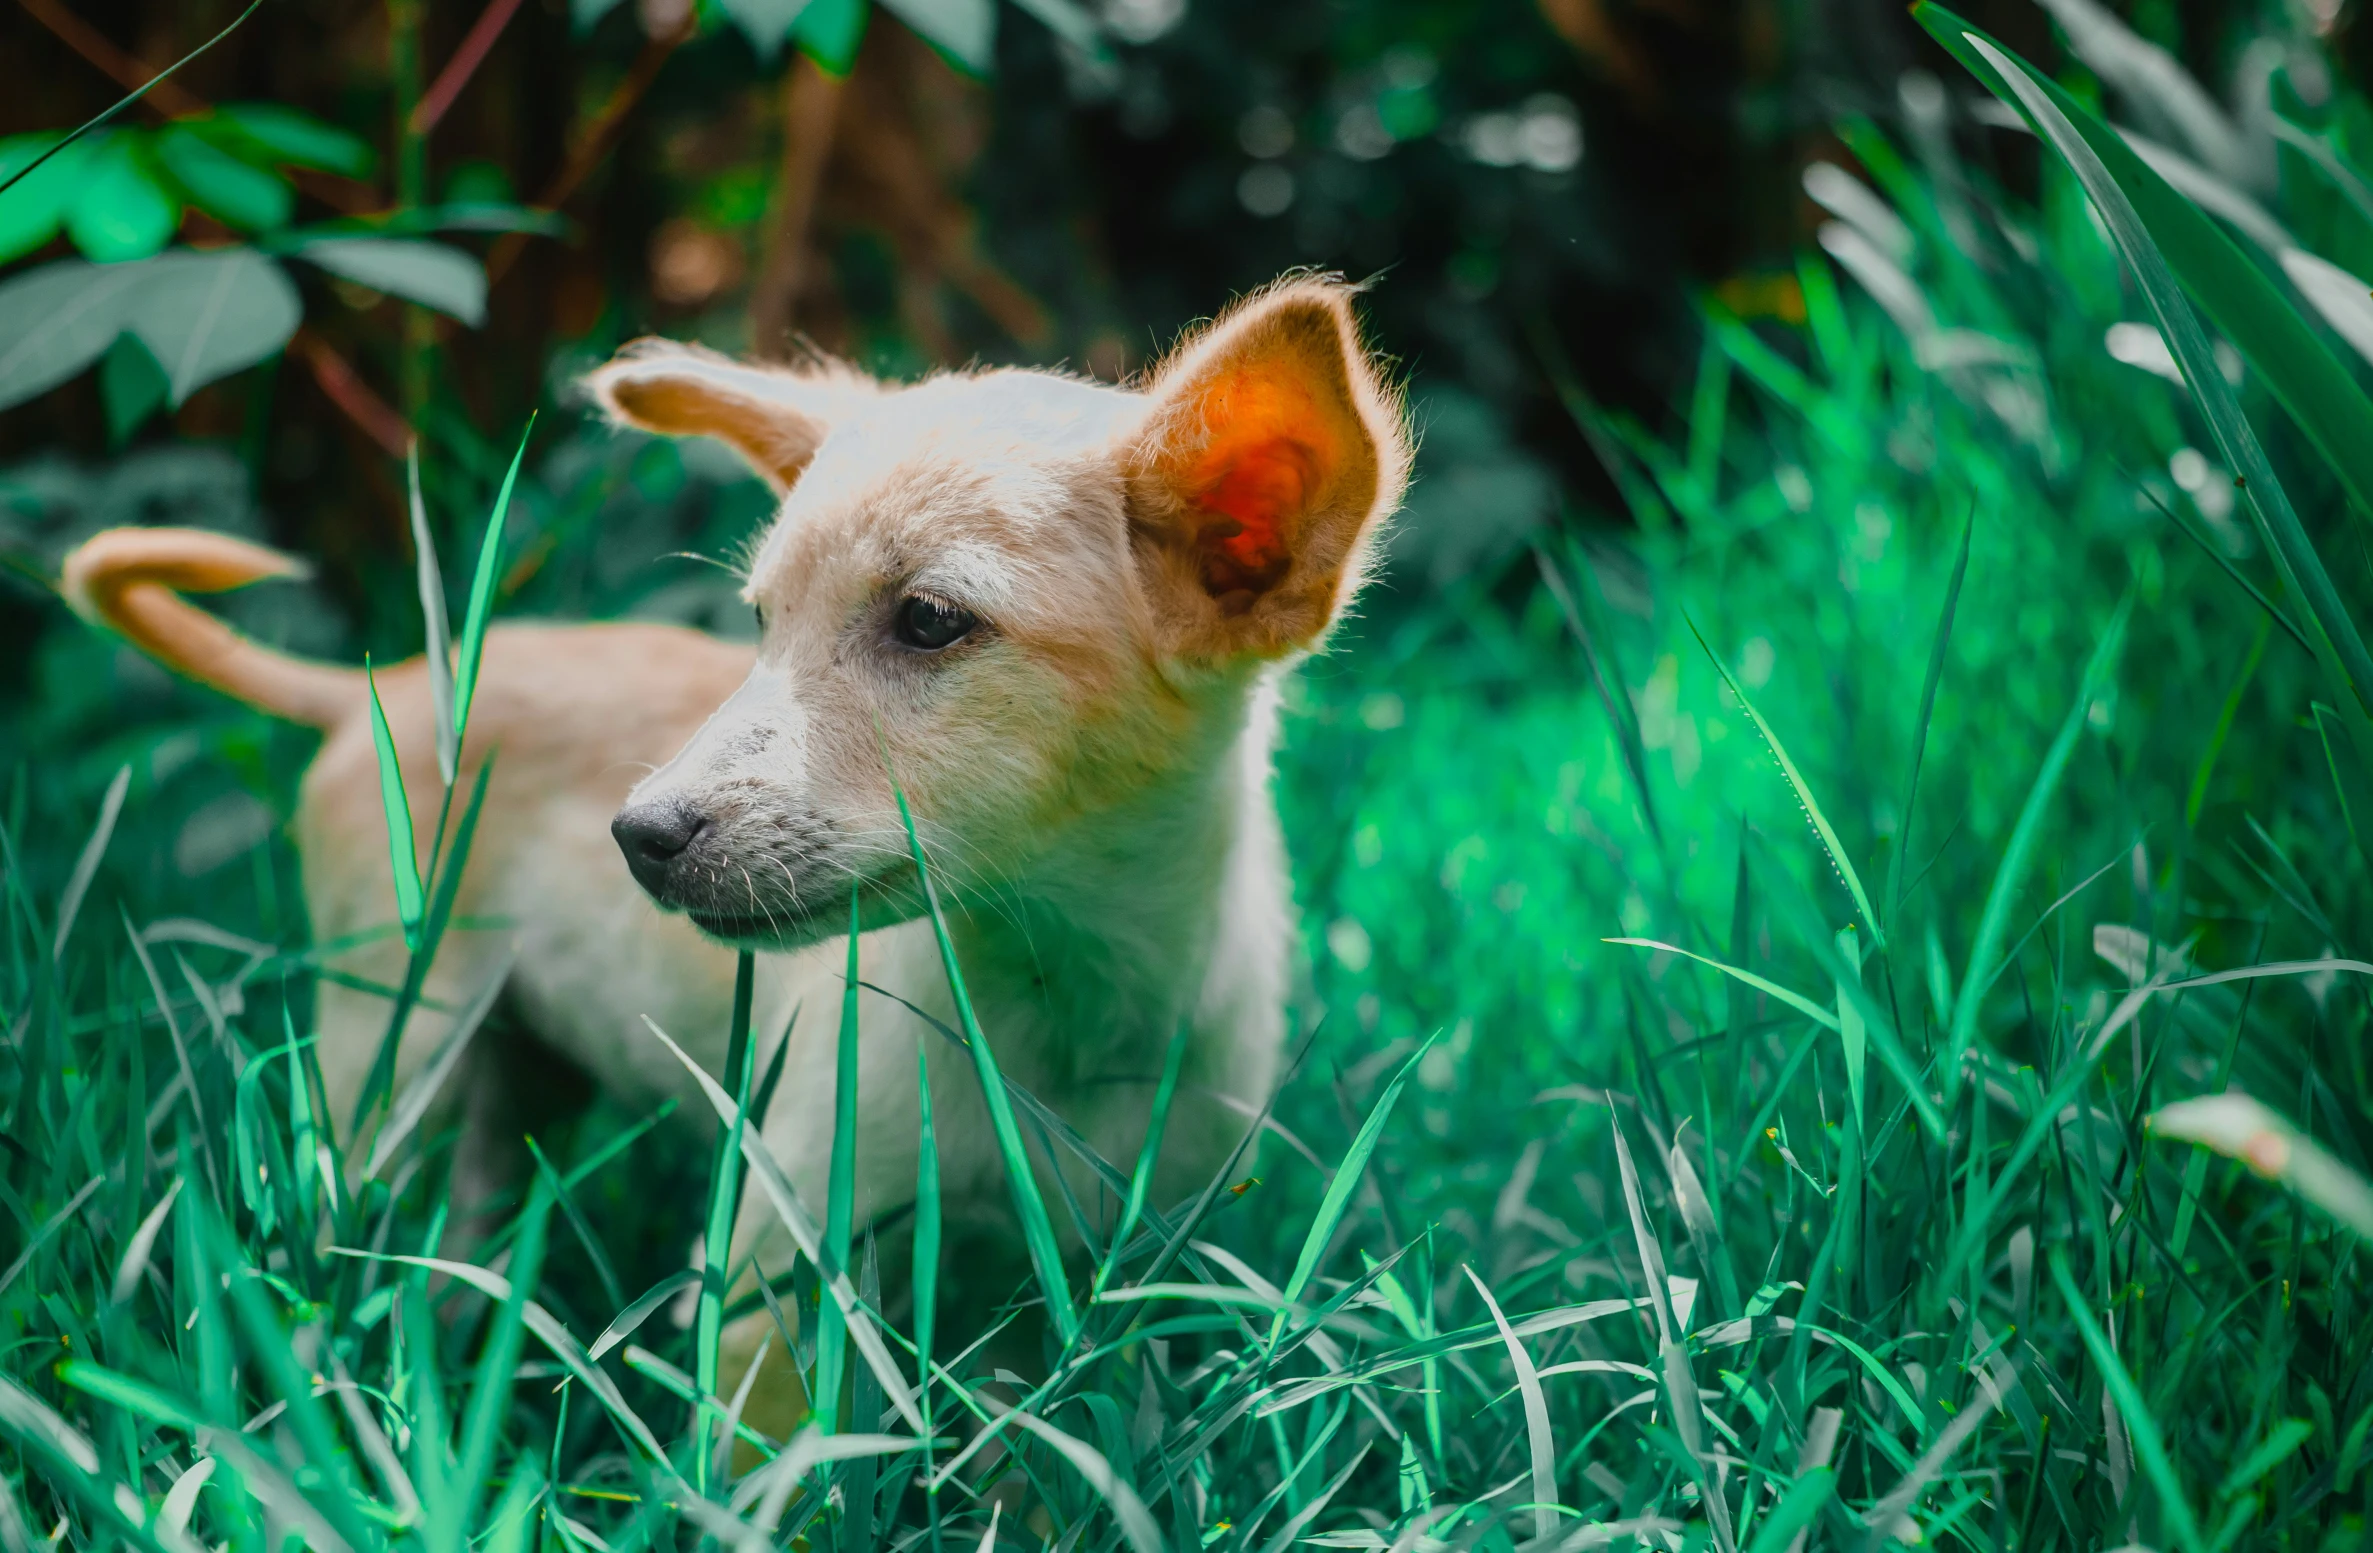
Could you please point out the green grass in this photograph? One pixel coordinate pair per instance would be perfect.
(1801, 1212)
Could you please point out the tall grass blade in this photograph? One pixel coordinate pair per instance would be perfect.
(1936, 673)
(432, 612)
(482, 584)
(1141, 1179)
(1136, 1522)
(1985, 953)
(840, 1191)
(1346, 1180)
(86, 866)
(1804, 793)
(926, 1265)
(724, 1193)
(403, 850)
(1038, 1230)
(413, 1103)
(1536, 1414)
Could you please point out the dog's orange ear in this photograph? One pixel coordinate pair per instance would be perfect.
(1272, 455)
(775, 418)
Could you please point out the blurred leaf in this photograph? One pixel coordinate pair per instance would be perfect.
(31, 211)
(131, 387)
(122, 211)
(56, 320)
(206, 315)
(432, 274)
(830, 31)
(2239, 1125)
(238, 193)
(297, 139)
(2344, 299)
(966, 30)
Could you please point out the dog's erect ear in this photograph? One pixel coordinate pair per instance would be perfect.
(775, 418)
(1271, 455)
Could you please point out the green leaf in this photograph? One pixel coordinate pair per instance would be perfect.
(481, 607)
(433, 274)
(238, 193)
(830, 32)
(292, 138)
(57, 320)
(31, 211)
(724, 1193)
(122, 211)
(403, 855)
(840, 1193)
(207, 315)
(766, 23)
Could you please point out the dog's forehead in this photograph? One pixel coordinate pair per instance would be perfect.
(962, 463)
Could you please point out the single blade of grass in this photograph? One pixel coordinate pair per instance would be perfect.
(121, 103)
(1613, 696)
(1345, 1181)
(1038, 1230)
(628, 1320)
(926, 1265)
(1536, 1414)
(1935, 676)
(840, 1186)
(1805, 1499)
(724, 1183)
(403, 854)
(2197, 795)
(1141, 1179)
(86, 865)
(1823, 1017)
(438, 628)
(1804, 793)
(2141, 1428)
(2011, 874)
(481, 605)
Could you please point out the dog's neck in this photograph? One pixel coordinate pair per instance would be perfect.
(1121, 929)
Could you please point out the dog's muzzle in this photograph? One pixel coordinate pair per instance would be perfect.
(655, 837)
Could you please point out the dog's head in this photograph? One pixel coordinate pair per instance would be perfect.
(1017, 597)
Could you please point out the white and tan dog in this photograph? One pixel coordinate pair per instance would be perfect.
(1054, 611)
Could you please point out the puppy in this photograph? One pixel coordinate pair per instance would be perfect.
(1052, 613)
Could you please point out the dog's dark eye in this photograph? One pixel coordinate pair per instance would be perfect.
(930, 623)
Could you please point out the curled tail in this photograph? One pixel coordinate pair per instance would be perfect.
(131, 579)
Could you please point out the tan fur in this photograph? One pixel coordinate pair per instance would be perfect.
(1088, 770)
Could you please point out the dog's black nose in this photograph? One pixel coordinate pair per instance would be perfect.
(653, 835)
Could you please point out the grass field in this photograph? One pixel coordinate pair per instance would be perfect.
(1772, 967)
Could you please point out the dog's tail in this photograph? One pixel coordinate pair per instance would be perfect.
(131, 579)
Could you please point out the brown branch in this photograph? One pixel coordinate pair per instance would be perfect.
(598, 138)
(463, 64)
(172, 100)
(811, 110)
(344, 387)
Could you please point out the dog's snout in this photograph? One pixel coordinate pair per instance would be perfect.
(654, 835)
